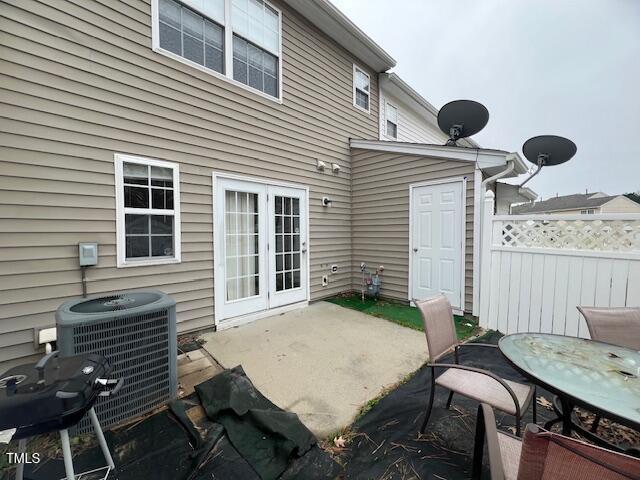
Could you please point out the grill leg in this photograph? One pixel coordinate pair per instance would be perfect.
(101, 440)
(66, 453)
(22, 447)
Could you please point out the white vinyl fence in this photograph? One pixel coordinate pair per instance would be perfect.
(535, 269)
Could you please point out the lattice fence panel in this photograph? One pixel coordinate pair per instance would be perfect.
(599, 235)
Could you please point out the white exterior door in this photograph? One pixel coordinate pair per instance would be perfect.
(260, 247)
(287, 246)
(437, 242)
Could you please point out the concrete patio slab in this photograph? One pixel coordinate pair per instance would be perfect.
(323, 362)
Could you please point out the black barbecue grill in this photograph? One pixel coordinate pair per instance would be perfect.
(55, 394)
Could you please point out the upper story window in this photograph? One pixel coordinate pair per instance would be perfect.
(392, 121)
(589, 211)
(247, 51)
(361, 88)
(147, 211)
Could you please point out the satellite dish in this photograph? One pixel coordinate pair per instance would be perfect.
(546, 151)
(461, 119)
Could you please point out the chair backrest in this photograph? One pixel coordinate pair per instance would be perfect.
(547, 455)
(618, 326)
(439, 328)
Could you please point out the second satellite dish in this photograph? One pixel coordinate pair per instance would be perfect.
(461, 119)
(546, 151)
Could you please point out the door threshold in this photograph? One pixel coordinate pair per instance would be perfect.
(252, 317)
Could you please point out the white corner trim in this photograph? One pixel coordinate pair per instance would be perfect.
(121, 210)
(228, 50)
(355, 69)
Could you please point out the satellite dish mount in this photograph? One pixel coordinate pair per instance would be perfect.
(461, 119)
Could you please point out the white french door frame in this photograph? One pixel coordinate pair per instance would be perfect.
(219, 280)
(444, 181)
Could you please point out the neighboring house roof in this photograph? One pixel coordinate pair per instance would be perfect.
(324, 15)
(490, 161)
(577, 201)
(394, 85)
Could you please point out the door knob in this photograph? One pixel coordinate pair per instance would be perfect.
(415, 249)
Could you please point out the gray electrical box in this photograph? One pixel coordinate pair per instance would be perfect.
(88, 254)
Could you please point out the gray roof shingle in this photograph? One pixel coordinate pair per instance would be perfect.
(566, 202)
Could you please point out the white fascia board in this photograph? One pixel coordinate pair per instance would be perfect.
(324, 15)
(485, 158)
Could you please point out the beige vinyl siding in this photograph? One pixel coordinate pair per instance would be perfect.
(80, 82)
(380, 224)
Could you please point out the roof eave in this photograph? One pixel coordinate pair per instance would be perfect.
(337, 25)
(486, 159)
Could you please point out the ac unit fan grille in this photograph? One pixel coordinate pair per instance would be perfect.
(137, 349)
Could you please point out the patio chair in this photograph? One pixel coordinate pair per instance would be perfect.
(544, 455)
(617, 326)
(482, 385)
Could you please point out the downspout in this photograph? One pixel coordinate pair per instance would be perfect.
(511, 165)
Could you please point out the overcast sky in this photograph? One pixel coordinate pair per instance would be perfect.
(569, 68)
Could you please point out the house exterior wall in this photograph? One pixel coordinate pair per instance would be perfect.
(80, 82)
(412, 127)
(380, 218)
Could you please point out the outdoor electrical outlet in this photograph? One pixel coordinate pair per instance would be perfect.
(334, 268)
(325, 280)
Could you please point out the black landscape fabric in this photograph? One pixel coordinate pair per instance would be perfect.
(266, 436)
(386, 444)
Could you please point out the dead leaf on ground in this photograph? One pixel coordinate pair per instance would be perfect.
(543, 402)
(340, 442)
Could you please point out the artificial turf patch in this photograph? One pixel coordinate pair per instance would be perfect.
(399, 313)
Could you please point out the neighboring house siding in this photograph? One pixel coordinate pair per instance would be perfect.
(80, 83)
(381, 215)
(411, 126)
(620, 204)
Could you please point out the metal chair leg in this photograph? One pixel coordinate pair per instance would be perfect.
(429, 405)
(596, 424)
(449, 400)
(518, 427)
(101, 440)
(534, 406)
(478, 446)
(66, 453)
(22, 447)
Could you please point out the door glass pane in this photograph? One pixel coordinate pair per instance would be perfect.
(288, 247)
(241, 245)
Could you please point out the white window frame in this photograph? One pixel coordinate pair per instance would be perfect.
(588, 211)
(228, 47)
(121, 211)
(386, 120)
(355, 104)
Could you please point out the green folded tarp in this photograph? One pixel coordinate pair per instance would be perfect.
(266, 436)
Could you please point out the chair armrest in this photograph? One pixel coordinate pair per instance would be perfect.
(501, 381)
(486, 429)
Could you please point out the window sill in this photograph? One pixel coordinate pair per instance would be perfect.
(222, 76)
(362, 110)
(147, 262)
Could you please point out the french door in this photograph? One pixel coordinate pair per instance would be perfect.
(260, 247)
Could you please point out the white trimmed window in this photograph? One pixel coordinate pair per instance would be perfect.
(392, 121)
(238, 40)
(147, 211)
(589, 211)
(361, 89)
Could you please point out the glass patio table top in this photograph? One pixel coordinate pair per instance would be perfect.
(592, 374)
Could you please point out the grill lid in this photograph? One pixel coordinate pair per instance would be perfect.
(113, 303)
